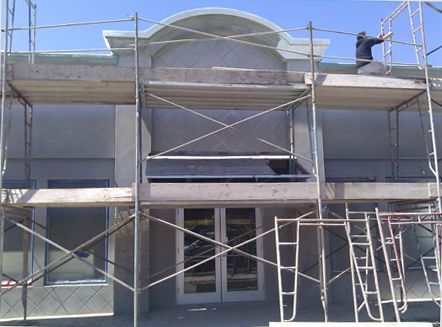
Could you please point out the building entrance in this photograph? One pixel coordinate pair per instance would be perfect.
(230, 277)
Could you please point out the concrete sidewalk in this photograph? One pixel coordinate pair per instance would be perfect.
(254, 314)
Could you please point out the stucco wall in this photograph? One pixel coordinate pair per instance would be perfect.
(356, 144)
(69, 142)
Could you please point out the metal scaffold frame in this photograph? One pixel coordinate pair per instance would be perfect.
(316, 218)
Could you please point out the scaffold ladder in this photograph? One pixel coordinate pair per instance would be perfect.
(7, 101)
(391, 243)
(417, 30)
(387, 27)
(415, 15)
(430, 259)
(363, 266)
(292, 266)
(393, 133)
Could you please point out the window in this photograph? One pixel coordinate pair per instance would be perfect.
(70, 227)
(13, 241)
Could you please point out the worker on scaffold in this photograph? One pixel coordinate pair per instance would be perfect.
(363, 51)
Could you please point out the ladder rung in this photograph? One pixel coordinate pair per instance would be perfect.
(359, 235)
(433, 283)
(360, 244)
(361, 258)
(365, 267)
(286, 219)
(288, 267)
(396, 278)
(414, 13)
(288, 243)
(429, 258)
(417, 28)
(288, 293)
(371, 292)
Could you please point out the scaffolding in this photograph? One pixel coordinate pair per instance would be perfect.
(356, 225)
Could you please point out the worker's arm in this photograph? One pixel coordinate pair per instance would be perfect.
(386, 36)
(371, 41)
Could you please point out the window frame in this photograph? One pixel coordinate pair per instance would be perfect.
(105, 279)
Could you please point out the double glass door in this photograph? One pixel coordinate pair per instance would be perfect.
(229, 277)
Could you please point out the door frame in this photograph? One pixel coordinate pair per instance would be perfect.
(221, 294)
(194, 298)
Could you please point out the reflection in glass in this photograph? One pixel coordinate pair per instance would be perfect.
(71, 227)
(200, 279)
(242, 274)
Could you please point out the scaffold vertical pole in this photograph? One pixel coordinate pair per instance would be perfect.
(393, 133)
(291, 118)
(138, 148)
(2, 133)
(28, 119)
(2, 219)
(433, 156)
(315, 151)
(32, 22)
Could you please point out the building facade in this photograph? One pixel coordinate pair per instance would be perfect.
(91, 146)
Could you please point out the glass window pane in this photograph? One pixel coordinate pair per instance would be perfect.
(201, 279)
(70, 227)
(242, 273)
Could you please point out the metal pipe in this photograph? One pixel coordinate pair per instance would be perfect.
(2, 133)
(321, 240)
(228, 38)
(388, 267)
(405, 64)
(228, 126)
(434, 155)
(25, 266)
(90, 251)
(70, 50)
(356, 34)
(259, 45)
(97, 22)
(208, 259)
(229, 248)
(223, 124)
(137, 177)
(209, 240)
(66, 251)
(62, 259)
(232, 240)
(278, 263)
(28, 111)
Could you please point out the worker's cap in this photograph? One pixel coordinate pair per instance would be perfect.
(362, 34)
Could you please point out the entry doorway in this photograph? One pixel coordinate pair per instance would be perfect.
(230, 277)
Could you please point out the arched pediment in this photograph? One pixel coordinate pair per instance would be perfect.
(219, 21)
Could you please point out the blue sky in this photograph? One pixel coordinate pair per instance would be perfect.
(351, 16)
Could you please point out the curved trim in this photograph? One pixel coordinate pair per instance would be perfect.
(201, 12)
(217, 11)
(286, 40)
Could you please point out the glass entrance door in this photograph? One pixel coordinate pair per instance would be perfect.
(231, 277)
(241, 275)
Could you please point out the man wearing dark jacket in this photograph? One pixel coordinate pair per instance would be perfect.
(363, 51)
